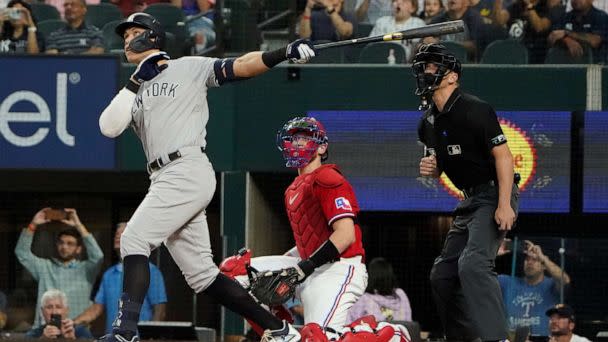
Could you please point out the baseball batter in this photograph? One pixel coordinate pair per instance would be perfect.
(328, 259)
(166, 104)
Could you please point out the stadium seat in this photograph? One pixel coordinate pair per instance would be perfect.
(378, 53)
(173, 21)
(42, 11)
(100, 14)
(363, 30)
(110, 39)
(561, 55)
(48, 26)
(328, 56)
(505, 52)
(458, 50)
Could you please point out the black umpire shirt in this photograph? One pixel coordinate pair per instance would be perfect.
(463, 136)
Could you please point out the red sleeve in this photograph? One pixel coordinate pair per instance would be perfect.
(337, 202)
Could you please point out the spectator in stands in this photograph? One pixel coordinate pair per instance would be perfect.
(400, 20)
(530, 21)
(561, 324)
(3, 308)
(491, 29)
(128, 7)
(583, 25)
(56, 324)
(526, 299)
(199, 18)
(77, 37)
(368, 11)
(60, 5)
(110, 290)
(73, 276)
(432, 9)
(459, 10)
(382, 298)
(18, 32)
(325, 20)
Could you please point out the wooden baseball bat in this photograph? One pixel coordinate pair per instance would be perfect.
(420, 32)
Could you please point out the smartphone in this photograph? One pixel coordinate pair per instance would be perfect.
(56, 214)
(14, 13)
(521, 246)
(55, 320)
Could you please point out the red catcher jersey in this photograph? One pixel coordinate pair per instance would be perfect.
(314, 201)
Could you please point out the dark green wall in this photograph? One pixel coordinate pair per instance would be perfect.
(245, 116)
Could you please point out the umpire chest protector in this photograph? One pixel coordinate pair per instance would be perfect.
(309, 224)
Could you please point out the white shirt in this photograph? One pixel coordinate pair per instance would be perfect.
(376, 9)
(576, 338)
(388, 24)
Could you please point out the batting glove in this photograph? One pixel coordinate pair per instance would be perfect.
(149, 67)
(300, 51)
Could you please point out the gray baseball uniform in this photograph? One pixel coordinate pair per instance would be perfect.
(169, 114)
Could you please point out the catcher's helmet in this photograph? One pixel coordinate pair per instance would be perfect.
(153, 38)
(439, 55)
(296, 155)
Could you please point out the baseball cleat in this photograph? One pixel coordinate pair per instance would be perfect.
(117, 338)
(286, 334)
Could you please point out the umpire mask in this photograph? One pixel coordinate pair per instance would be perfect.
(428, 82)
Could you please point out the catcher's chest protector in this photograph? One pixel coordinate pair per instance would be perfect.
(305, 214)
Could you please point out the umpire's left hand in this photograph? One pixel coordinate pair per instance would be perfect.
(300, 51)
(150, 67)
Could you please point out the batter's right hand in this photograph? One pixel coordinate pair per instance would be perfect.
(150, 67)
(428, 167)
(300, 51)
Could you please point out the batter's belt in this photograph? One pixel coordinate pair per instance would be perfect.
(159, 163)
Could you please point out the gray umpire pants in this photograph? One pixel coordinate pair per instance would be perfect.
(463, 280)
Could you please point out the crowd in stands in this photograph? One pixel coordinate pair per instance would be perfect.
(543, 28)
(66, 281)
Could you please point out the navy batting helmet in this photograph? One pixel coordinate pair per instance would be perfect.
(153, 38)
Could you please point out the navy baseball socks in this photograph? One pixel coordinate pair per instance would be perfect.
(124, 327)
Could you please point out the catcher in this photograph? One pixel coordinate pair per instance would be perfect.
(326, 269)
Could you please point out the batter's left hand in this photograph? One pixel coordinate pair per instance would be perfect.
(504, 217)
(150, 67)
(300, 51)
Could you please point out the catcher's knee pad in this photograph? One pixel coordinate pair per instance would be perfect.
(133, 243)
(312, 332)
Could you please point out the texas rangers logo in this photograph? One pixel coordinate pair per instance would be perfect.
(343, 203)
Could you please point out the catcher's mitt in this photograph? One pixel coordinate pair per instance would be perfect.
(274, 287)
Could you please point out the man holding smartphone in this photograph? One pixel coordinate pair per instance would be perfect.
(66, 271)
(326, 20)
(54, 310)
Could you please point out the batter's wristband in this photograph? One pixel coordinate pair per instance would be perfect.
(272, 58)
(133, 86)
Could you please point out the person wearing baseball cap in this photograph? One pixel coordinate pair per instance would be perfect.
(561, 324)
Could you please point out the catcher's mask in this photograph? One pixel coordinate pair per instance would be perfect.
(299, 140)
(152, 38)
(428, 82)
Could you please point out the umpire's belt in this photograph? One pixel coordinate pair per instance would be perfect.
(476, 189)
(159, 163)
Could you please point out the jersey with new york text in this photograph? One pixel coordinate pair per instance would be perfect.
(314, 201)
(171, 111)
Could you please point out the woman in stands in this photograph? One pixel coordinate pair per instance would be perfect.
(18, 32)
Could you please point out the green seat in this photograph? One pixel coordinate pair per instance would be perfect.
(51, 25)
(561, 55)
(42, 11)
(241, 31)
(377, 53)
(110, 39)
(99, 15)
(505, 52)
(363, 30)
(458, 50)
(173, 21)
(327, 56)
